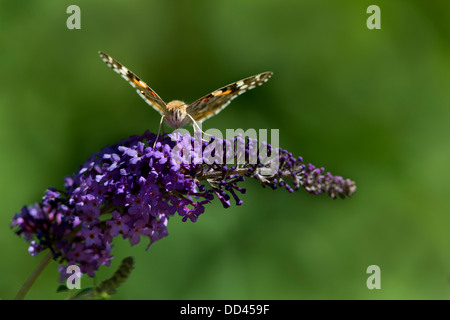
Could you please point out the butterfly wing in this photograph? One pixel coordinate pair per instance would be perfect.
(141, 87)
(216, 101)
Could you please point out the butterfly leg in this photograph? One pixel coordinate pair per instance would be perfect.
(159, 130)
(194, 123)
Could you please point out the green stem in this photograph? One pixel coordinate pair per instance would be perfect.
(33, 276)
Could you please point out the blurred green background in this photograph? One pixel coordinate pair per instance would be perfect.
(370, 105)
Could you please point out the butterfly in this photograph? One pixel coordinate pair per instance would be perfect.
(177, 113)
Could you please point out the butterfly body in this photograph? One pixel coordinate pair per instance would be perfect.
(177, 113)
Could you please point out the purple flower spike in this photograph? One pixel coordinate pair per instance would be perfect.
(133, 189)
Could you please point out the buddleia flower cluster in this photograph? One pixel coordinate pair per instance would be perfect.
(132, 188)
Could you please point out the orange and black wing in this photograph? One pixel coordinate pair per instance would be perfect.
(141, 87)
(216, 101)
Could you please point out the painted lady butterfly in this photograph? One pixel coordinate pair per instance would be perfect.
(177, 113)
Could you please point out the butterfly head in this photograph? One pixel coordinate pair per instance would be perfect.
(176, 115)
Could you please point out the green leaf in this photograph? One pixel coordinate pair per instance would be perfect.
(62, 288)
